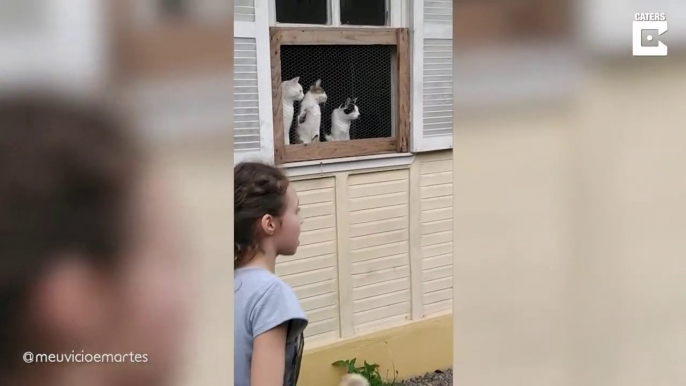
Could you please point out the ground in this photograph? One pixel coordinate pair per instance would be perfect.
(436, 378)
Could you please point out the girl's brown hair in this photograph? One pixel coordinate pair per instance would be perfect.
(66, 174)
(259, 189)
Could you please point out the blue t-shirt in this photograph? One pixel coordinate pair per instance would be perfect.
(262, 302)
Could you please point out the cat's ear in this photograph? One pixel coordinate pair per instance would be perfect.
(347, 102)
(355, 100)
(295, 80)
(318, 83)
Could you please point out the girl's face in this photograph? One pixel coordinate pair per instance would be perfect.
(287, 239)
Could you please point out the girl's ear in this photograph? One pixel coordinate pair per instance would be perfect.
(268, 224)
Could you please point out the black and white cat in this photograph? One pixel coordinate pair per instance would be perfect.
(310, 116)
(291, 91)
(341, 119)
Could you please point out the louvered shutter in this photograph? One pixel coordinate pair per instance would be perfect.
(432, 75)
(253, 133)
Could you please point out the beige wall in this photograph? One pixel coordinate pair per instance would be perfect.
(376, 248)
(570, 233)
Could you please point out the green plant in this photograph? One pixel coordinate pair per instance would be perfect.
(369, 370)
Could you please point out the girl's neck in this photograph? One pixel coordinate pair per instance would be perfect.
(261, 260)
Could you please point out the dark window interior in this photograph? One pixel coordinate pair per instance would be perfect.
(363, 72)
(302, 11)
(173, 7)
(363, 12)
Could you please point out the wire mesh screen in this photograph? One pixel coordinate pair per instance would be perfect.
(362, 73)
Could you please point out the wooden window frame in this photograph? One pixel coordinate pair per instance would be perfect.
(398, 37)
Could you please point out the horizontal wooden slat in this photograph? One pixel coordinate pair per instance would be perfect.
(339, 149)
(382, 312)
(346, 36)
(373, 215)
(315, 289)
(379, 201)
(378, 239)
(304, 265)
(438, 261)
(378, 188)
(319, 222)
(380, 251)
(383, 225)
(361, 267)
(436, 203)
(321, 327)
(380, 301)
(381, 288)
(316, 196)
(310, 277)
(437, 250)
(319, 301)
(381, 276)
(376, 177)
(437, 238)
(439, 284)
(437, 296)
(437, 273)
(438, 226)
(317, 236)
(433, 308)
(313, 184)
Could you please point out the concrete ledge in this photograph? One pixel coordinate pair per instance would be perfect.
(413, 349)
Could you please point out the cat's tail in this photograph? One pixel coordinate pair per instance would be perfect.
(354, 380)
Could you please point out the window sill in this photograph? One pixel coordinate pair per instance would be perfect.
(337, 165)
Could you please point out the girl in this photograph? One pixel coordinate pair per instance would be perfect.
(268, 320)
(89, 266)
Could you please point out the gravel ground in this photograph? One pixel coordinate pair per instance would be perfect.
(437, 378)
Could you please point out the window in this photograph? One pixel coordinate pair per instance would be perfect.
(365, 76)
(173, 7)
(363, 12)
(302, 11)
(369, 13)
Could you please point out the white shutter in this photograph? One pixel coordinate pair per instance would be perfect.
(432, 75)
(253, 133)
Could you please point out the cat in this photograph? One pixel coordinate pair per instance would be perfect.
(341, 119)
(291, 91)
(309, 124)
(310, 116)
(354, 380)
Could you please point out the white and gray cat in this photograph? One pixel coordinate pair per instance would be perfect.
(310, 116)
(341, 119)
(291, 91)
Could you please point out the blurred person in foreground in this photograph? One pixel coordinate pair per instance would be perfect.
(89, 261)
